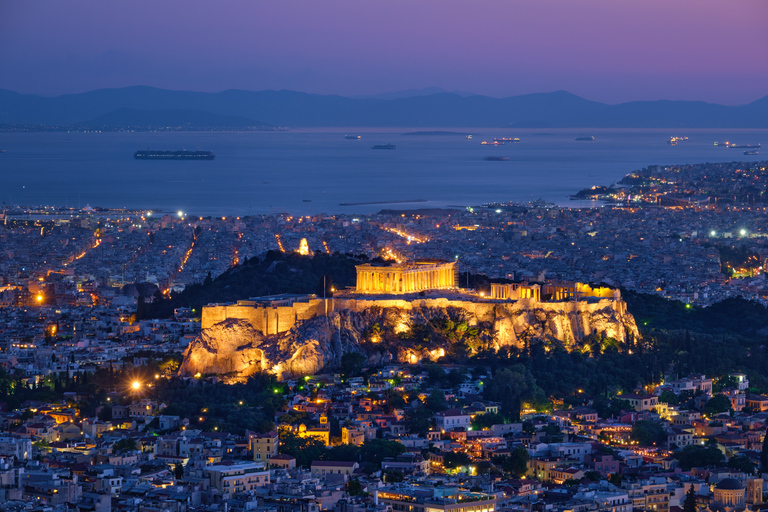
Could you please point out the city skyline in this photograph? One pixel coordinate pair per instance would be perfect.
(597, 50)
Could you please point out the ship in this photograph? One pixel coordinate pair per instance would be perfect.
(493, 143)
(726, 144)
(507, 139)
(497, 158)
(383, 146)
(746, 146)
(590, 138)
(750, 152)
(152, 154)
(353, 137)
(675, 140)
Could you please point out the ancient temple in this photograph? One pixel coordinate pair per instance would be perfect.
(412, 277)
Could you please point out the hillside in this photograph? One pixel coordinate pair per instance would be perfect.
(296, 109)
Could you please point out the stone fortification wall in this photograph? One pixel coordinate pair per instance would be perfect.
(267, 320)
(233, 339)
(568, 321)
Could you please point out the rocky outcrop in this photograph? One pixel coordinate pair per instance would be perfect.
(395, 330)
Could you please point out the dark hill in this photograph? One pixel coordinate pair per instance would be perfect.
(296, 109)
(275, 273)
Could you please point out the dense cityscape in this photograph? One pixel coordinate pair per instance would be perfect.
(96, 416)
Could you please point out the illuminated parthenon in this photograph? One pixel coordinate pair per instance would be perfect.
(412, 277)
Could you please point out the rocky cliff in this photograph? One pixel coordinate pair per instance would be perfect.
(401, 330)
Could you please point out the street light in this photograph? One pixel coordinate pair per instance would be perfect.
(136, 384)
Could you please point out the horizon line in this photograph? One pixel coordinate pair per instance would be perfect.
(365, 97)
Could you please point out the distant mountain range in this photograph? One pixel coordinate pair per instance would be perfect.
(234, 109)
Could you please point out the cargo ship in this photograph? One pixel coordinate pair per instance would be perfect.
(383, 146)
(152, 154)
(353, 137)
(750, 152)
(507, 139)
(745, 146)
(497, 158)
(590, 138)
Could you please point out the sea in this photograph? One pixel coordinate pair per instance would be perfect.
(315, 171)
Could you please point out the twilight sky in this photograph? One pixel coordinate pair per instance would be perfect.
(603, 50)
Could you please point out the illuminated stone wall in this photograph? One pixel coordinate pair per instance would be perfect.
(409, 278)
(266, 319)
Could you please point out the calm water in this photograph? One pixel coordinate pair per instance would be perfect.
(313, 171)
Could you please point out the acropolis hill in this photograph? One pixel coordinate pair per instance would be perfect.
(404, 312)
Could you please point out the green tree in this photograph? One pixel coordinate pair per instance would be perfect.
(393, 476)
(510, 386)
(517, 462)
(375, 451)
(487, 420)
(105, 414)
(668, 397)
(484, 467)
(436, 401)
(647, 433)
(352, 364)
(611, 408)
(742, 463)
(694, 456)
(343, 452)
(417, 421)
(717, 404)
(729, 381)
(689, 504)
(355, 488)
(593, 476)
(41, 444)
(304, 449)
(125, 444)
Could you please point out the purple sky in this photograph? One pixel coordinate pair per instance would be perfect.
(603, 50)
